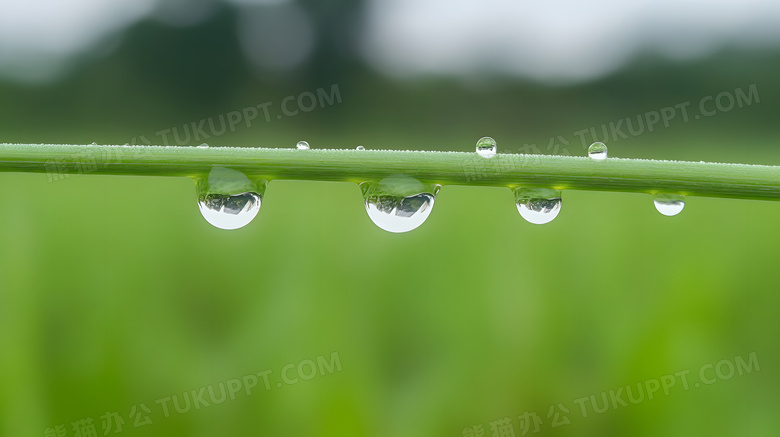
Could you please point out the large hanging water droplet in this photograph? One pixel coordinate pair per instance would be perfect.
(486, 147)
(669, 204)
(230, 212)
(302, 145)
(399, 203)
(538, 205)
(597, 151)
(228, 199)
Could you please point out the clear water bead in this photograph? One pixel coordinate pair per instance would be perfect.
(669, 204)
(203, 146)
(399, 203)
(597, 151)
(230, 212)
(228, 199)
(302, 145)
(486, 147)
(360, 148)
(538, 205)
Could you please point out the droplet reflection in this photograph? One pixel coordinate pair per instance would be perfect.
(399, 203)
(538, 205)
(228, 199)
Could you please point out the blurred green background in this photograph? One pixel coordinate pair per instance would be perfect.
(114, 292)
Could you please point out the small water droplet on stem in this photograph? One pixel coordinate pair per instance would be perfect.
(486, 147)
(302, 145)
(597, 151)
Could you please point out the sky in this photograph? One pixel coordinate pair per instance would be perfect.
(557, 41)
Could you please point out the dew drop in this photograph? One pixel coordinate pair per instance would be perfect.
(203, 146)
(228, 199)
(669, 204)
(94, 144)
(538, 205)
(486, 147)
(302, 145)
(399, 203)
(360, 148)
(597, 151)
(230, 211)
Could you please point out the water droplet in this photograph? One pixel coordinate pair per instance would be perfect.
(360, 148)
(598, 151)
(228, 199)
(486, 147)
(302, 145)
(669, 204)
(94, 144)
(538, 205)
(399, 203)
(203, 146)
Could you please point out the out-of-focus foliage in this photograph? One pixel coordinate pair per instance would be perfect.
(115, 292)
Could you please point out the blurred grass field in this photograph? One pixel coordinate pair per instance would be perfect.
(116, 292)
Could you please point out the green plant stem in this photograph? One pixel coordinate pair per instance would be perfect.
(506, 170)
